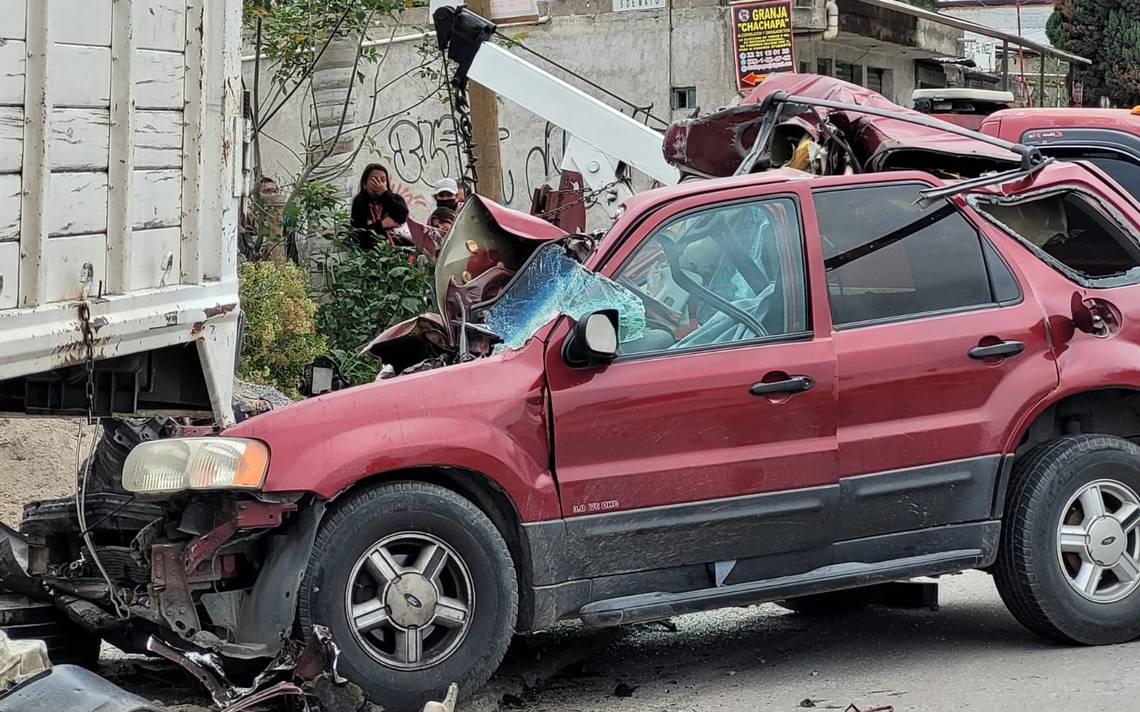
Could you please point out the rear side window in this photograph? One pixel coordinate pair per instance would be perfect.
(887, 258)
(1073, 230)
(1123, 171)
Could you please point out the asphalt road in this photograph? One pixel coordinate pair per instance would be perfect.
(970, 655)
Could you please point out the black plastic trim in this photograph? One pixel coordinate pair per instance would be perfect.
(674, 535)
(916, 498)
(660, 604)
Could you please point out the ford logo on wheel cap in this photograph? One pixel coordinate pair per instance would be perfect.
(1107, 540)
(413, 601)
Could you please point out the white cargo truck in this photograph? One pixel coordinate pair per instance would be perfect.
(120, 182)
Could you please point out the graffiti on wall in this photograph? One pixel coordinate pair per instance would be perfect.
(422, 151)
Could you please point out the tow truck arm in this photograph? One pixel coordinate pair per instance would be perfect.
(602, 140)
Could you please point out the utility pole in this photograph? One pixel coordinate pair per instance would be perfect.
(485, 127)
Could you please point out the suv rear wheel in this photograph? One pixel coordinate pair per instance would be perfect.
(418, 589)
(1069, 560)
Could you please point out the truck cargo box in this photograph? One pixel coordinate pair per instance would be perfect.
(120, 183)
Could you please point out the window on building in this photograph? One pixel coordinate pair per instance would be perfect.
(725, 275)
(887, 258)
(684, 97)
(849, 72)
(823, 67)
(879, 80)
(1071, 229)
(803, 68)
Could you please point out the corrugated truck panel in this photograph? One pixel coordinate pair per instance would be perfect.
(117, 184)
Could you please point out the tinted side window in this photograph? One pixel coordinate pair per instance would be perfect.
(887, 258)
(1070, 229)
(1124, 172)
(727, 274)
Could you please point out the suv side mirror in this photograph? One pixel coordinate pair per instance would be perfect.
(593, 341)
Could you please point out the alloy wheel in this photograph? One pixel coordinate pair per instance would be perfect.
(410, 600)
(1098, 541)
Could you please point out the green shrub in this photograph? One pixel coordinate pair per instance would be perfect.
(280, 332)
(366, 292)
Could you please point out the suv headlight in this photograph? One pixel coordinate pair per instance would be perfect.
(178, 464)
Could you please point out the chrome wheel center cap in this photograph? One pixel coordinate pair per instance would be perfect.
(1106, 541)
(412, 599)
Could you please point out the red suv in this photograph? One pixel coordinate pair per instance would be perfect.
(831, 385)
(770, 387)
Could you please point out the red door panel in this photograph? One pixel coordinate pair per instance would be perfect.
(683, 428)
(934, 403)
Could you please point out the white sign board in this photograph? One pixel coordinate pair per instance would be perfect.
(503, 11)
(626, 5)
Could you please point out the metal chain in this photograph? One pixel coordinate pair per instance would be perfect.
(122, 609)
(88, 357)
(466, 131)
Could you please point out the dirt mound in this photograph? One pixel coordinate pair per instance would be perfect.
(37, 461)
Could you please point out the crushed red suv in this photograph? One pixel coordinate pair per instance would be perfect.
(766, 387)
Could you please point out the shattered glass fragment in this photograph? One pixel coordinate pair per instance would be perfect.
(553, 284)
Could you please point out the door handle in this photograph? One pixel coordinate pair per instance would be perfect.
(1003, 349)
(793, 384)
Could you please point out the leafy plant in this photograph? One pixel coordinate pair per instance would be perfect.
(280, 330)
(293, 33)
(367, 291)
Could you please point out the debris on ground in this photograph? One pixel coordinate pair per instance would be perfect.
(448, 703)
(623, 690)
(807, 702)
(20, 660)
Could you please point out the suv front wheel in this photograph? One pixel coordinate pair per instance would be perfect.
(1069, 559)
(418, 589)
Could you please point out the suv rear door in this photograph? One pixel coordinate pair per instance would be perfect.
(939, 349)
(705, 441)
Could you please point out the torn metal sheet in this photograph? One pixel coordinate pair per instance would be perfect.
(554, 284)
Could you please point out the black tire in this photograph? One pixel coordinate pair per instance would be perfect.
(366, 517)
(1028, 573)
(827, 604)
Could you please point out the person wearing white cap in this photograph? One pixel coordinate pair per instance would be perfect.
(446, 194)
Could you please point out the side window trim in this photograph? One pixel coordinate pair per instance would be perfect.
(931, 313)
(805, 334)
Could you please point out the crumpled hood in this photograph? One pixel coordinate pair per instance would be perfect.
(487, 415)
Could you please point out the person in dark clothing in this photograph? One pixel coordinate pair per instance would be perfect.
(377, 212)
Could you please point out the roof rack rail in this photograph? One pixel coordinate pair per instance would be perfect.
(1031, 158)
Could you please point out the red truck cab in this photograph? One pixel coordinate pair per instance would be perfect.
(1107, 138)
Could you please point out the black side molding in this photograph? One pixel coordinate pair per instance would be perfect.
(659, 604)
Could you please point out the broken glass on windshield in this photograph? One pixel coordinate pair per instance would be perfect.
(553, 284)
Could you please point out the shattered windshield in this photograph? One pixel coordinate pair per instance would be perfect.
(553, 284)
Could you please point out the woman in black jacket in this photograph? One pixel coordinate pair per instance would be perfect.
(376, 210)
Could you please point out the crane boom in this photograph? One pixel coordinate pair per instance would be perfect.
(601, 137)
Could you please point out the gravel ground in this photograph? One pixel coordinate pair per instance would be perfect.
(969, 656)
(37, 461)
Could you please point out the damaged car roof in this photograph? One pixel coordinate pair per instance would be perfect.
(714, 145)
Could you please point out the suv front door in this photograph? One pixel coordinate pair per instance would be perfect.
(939, 351)
(711, 438)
